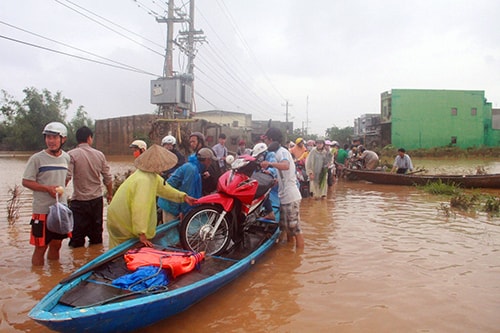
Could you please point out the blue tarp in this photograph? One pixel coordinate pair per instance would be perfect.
(143, 278)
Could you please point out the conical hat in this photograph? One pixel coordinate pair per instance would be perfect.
(155, 159)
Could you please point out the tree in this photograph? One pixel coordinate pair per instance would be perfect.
(298, 133)
(23, 122)
(80, 119)
(7, 108)
(341, 135)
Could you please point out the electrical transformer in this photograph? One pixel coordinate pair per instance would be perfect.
(170, 91)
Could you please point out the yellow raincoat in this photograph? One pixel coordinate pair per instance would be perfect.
(133, 209)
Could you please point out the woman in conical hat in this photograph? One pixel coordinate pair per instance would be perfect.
(132, 212)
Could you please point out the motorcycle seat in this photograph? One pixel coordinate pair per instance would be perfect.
(265, 181)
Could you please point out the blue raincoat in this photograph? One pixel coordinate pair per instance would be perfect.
(187, 178)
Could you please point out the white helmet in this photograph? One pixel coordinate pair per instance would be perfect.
(139, 144)
(55, 128)
(258, 149)
(229, 159)
(168, 139)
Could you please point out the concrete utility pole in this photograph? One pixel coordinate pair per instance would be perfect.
(170, 20)
(307, 114)
(190, 43)
(189, 38)
(174, 91)
(168, 71)
(286, 121)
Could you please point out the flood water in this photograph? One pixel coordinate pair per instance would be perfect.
(377, 259)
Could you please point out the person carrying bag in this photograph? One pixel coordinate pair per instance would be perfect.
(60, 218)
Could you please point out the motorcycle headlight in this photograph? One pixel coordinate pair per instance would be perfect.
(238, 163)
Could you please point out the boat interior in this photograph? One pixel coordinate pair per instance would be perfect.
(98, 290)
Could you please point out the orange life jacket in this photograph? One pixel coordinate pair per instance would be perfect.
(177, 262)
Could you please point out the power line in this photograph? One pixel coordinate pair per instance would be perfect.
(236, 73)
(72, 47)
(165, 10)
(206, 100)
(231, 99)
(150, 11)
(111, 22)
(238, 79)
(76, 56)
(240, 36)
(244, 98)
(231, 81)
(105, 26)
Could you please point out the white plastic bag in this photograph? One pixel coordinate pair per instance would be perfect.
(60, 218)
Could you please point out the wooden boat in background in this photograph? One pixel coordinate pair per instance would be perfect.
(465, 181)
(87, 302)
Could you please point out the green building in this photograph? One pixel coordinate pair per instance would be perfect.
(414, 118)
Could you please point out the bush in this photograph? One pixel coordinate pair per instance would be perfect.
(492, 204)
(441, 188)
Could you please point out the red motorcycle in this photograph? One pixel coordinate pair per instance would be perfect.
(223, 216)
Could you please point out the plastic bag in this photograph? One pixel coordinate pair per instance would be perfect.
(60, 218)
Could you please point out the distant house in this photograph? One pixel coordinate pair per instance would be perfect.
(367, 130)
(236, 125)
(260, 127)
(240, 126)
(226, 118)
(414, 118)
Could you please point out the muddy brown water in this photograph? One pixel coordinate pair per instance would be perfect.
(377, 259)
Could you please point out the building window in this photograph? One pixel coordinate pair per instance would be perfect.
(473, 112)
(454, 111)
(495, 119)
(453, 140)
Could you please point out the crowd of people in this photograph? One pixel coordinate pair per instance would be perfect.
(167, 179)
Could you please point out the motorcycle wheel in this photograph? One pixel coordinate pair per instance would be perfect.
(196, 226)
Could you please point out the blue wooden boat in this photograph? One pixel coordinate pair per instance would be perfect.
(86, 302)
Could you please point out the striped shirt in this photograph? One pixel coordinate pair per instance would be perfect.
(46, 169)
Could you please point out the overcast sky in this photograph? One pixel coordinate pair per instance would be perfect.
(329, 59)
